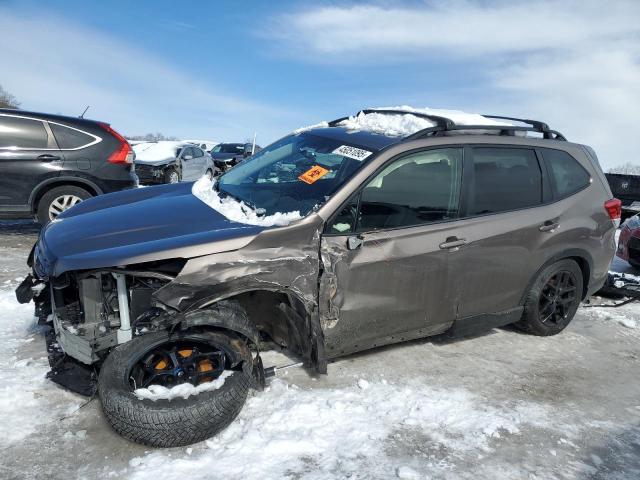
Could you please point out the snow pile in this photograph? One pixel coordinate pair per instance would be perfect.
(402, 125)
(238, 211)
(156, 151)
(28, 401)
(184, 390)
(341, 432)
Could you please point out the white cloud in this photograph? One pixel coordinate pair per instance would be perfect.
(53, 65)
(575, 64)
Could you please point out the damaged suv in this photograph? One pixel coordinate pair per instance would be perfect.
(369, 230)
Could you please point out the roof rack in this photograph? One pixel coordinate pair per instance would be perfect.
(443, 124)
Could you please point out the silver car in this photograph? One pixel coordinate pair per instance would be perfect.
(171, 162)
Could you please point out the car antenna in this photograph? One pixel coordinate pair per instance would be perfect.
(85, 111)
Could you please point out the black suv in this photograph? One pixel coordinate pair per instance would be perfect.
(227, 155)
(48, 163)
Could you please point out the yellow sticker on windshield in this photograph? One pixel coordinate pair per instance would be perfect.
(314, 174)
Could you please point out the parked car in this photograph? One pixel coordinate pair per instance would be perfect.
(329, 241)
(206, 145)
(171, 162)
(49, 163)
(227, 155)
(629, 241)
(627, 189)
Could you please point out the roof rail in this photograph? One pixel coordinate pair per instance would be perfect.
(443, 124)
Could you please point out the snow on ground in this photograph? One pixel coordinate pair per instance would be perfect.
(238, 211)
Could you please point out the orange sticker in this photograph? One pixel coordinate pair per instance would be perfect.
(313, 174)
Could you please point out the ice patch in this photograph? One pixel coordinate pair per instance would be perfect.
(184, 390)
(238, 211)
(407, 473)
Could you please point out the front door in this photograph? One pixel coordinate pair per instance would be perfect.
(386, 255)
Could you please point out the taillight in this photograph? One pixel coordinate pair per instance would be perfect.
(614, 209)
(122, 154)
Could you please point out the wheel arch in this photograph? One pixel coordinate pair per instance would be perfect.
(282, 316)
(51, 183)
(581, 257)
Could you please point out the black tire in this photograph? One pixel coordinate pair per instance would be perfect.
(46, 201)
(169, 175)
(176, 422)
(563, 308)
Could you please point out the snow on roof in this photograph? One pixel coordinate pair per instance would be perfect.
(151, 151)
(238, 211)
(403, 125)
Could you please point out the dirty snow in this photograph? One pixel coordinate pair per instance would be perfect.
(238, 211)
(184, 390)
(156, 151)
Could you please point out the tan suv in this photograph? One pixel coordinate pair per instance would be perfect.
(330, 241)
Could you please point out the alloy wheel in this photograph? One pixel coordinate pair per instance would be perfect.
(557, 298)
(62, 203)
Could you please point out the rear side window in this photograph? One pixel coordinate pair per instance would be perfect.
(22, 133)
(505, 179)
(417, 189)
(68, 138)
(567, 175)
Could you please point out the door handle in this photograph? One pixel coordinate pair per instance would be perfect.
(452, 243)
(48, 158)
(549, 226)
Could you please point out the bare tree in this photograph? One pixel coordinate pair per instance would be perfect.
(7, 100)
(151, 137)
(627, 169)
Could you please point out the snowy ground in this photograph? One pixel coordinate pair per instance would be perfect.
(500, 406)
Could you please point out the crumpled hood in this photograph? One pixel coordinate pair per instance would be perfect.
(138, 225)
(155, 163)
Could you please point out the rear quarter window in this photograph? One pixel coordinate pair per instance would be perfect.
(567, 175)
(68, 138)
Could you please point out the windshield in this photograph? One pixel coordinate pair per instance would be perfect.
(297, 173)
(231, 148)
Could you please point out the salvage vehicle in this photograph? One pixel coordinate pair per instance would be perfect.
(629, 241)
(49, 163)
(228, 155)
(627, 189)
(171, 162)
(332, 240)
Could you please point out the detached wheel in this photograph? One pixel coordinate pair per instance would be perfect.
(197, 360)
(171, 175)
(553, 300)
(59, 199)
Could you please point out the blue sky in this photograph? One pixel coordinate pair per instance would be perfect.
(222, 70)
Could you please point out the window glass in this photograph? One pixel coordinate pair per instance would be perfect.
(567, 175)
(421, 188)
(345, 221)
(505, 179)
(22, 133)
(232, 148)
(68, 137)
(197, 152)
(216, 149)
(187, 151)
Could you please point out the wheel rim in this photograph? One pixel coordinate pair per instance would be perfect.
(62, 203)
(557, 298)
(176, 363)
(173, 177)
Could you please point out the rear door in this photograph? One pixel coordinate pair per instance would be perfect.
(386, 255)
(28, 155)
(506, 227)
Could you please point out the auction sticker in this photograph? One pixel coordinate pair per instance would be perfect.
(352, 152)
(314, 174)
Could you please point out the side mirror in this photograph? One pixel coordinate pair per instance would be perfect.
(187, 157)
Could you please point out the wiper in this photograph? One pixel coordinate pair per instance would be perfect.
(251, 205)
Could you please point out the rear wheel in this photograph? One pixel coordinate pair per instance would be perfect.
(553, 299)
(143, 384)
(59, 199)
